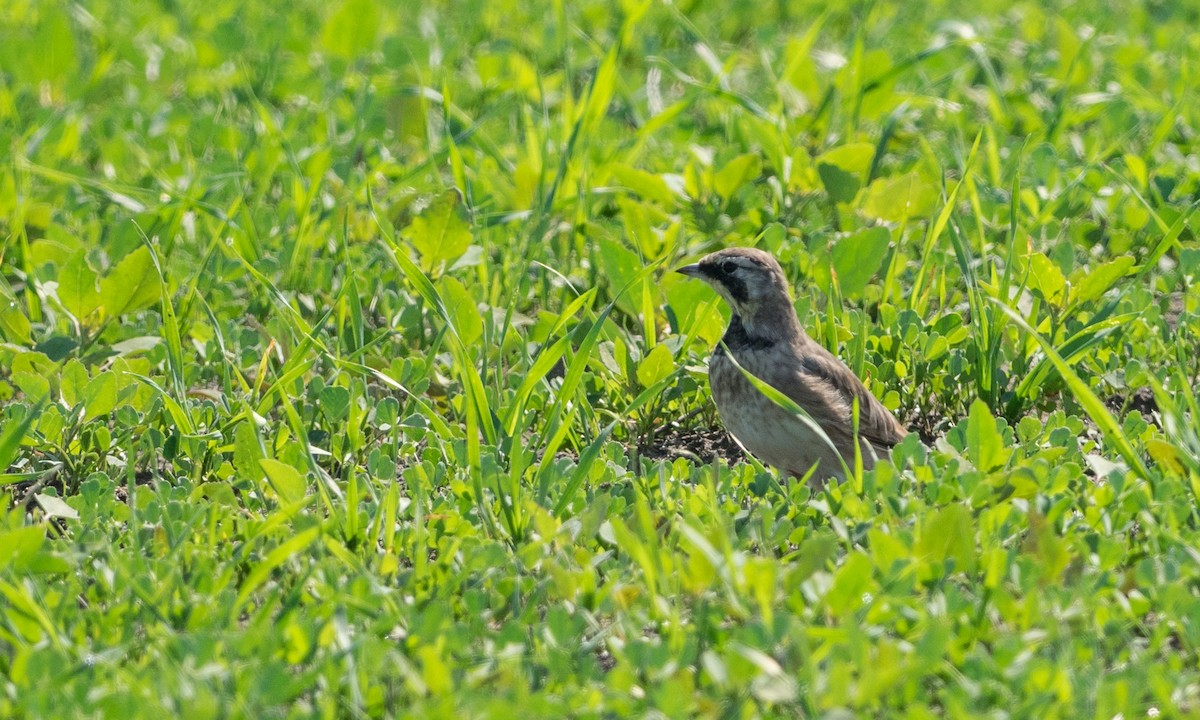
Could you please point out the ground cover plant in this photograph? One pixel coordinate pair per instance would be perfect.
(343, 372)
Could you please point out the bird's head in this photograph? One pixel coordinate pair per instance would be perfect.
(750, 280)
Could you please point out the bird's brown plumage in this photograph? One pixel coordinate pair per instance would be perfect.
(765, 338)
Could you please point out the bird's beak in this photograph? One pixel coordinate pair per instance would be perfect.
(692, 270)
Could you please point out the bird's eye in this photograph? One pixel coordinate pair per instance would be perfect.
(728, 267)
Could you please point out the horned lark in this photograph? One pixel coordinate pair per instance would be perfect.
(765, 338)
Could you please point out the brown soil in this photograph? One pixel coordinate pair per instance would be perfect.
(929, 426)
(699, 445)
(1142, 400)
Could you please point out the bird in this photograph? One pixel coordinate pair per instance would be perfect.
(765, 338)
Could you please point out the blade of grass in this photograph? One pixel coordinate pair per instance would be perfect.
(478, 413)
(582, 467)
(546, 360)
(1093, 405)
(935, 231)
(574, 372)
(14, 433)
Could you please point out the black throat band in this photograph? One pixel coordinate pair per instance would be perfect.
(736, 338)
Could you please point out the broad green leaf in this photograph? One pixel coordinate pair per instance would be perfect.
(55, 46)
(736, 173)
(842, 169)
(897, 199)
(462, 308)
(100, 395)
(851, 582)
(1189, 262)
(620, 266)
(351, 30)
(694, 306)
(139, 344)
(799, 68)
(815, 554)
(57, 348)
(639, 226)
(657, 365)
(841, 185)
(15, 326)
(1088, 285)
(1052, 552)
(931, 648)
(335, 402)
(1046, 279)
(440, 234)
(132, 285)
(854, 158)
(948, 534)
(33, 386)
(995, 567)
(19, 546)
(289, 483)
(435, 673)
(73, 383)
(985, 443)
(887, 550)
(630, 543)
(648, 185)
(77, 286)
(760, 575)
(857, 257)
(1137, 168)
(703, 558)
(247, 452)
(1167, 455)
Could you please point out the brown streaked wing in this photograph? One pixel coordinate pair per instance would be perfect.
(876, 424)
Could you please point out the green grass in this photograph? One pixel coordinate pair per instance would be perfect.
(335, 343)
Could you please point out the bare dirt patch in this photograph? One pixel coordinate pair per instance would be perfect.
(1142, 400)
(700, 445)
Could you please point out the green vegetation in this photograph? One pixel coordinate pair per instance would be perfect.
(340, 356)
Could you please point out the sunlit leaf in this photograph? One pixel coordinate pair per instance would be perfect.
(440, 234)
(350, 31)
(657, 365)
(100, 395)
(985, 443)
(288, 482)
(842, 169)
(857, 257)
(896, 199)
(948, 534)
(736, 173)
(132, 285)
(850, 584)
(77, 286)
(648, 185)
(1046, 279)
(1094, 282)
